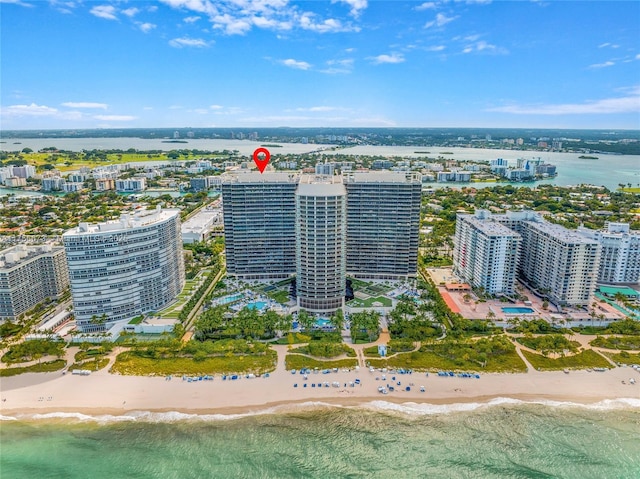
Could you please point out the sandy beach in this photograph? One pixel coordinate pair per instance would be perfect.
(102, 393)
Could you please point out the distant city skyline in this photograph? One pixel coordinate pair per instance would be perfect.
(340, 63)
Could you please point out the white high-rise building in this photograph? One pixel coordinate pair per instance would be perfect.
(29, 275)
(321, 239)
(124, 268)
(620, 256)
(559, 263)
(486, 253)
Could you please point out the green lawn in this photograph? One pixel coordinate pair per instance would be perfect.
(280, 296)
(613, 342)
(297, 361)
(368, 303)
(294, 338)
(324, 349)
(130, 364)
(91, 365)
(585, 359)
(429, 361)
(624, 357)
(36, 368)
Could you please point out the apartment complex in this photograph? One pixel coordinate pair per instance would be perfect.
(620, 256)
(555, 261)
(559, 262)
(319, 227)
(29, 275)
(321, 240)
(259, 223)
(383, 222)
(486, 253)
(124, 268)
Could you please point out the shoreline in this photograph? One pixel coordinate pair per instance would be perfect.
(106, 397)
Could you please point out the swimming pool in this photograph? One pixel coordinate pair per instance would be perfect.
(517, 310)
(259, 305)
(322, 322)
(230, 299)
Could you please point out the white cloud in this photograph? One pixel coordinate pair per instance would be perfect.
(200, 6)
(356, 5)
(339, 66)
(17, 2)
(638, 56)
(146, 27)
(602, 65)
(393, 58)
(30, 110)
(85, 104)
(130, 12)
(440, 21)
(484, 47)
(238, 17)
(298, 65)
(104, 11)
(188, 42)
(427, 6)
(330, 25)
(625, 104)
(191, 19)
(62, 6)
(200, 111)
(216, 107)
(607, 44)
(115, 117)
(322, 108)
(435, 48)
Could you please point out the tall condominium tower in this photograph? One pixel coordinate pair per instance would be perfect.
(321, 237)
(560, 262)
(318, 227)
(259, 224)
(29, 275)
(486, 253)
(620, 256)
(124, 268)
(383, 220)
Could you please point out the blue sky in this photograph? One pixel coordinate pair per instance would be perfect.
(243, 63)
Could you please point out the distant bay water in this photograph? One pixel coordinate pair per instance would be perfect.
(608, 170)
(379, 440)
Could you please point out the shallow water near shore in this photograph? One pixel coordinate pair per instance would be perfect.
(379, 439)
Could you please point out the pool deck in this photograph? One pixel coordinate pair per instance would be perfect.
(480, 310)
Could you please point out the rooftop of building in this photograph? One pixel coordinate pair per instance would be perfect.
(15, 255)
(561, 233)
(624, 290)
(253, 177)
(489, 227)
(382, 177)
(127, 221)
(321, 185)
(201, 220)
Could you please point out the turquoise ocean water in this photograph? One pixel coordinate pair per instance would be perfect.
(507, 439)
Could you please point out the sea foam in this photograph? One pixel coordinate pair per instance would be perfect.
(426, 409)
(409, 409)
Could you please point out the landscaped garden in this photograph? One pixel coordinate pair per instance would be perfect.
(583, 360)
(494, 354)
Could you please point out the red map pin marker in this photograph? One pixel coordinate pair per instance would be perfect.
(261, 163)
